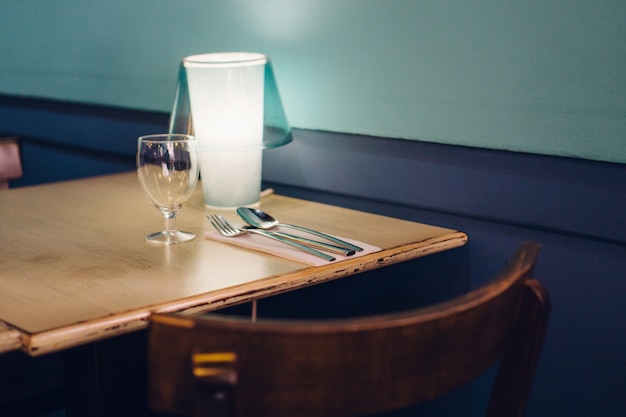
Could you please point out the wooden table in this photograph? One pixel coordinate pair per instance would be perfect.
(74, 267)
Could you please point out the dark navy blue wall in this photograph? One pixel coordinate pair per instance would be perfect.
(573, 207)
(61, 141)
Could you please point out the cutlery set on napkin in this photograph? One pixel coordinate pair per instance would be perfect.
(264, 233)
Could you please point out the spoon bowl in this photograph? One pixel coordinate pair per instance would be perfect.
(257, 218)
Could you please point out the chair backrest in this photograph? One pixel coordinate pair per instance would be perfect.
(210, 365)
(10, 161)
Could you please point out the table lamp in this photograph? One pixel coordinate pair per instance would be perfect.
(230, 103)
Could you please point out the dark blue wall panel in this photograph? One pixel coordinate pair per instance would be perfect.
(574, 208)
(549, 193)
(61, 141)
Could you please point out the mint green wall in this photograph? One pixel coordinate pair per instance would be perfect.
(537, 76)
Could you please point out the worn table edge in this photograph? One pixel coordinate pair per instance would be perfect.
(121, 323)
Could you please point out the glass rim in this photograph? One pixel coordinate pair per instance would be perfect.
(226, 59)
(167, 137)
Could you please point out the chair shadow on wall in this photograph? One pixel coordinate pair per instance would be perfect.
(226, 366)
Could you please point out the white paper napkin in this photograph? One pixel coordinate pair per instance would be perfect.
(264, 244)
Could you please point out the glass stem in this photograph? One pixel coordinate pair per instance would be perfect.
(170, 222)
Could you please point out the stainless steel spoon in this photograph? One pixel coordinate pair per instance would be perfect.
(262, 220)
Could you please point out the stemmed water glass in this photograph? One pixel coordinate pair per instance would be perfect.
(167, 166)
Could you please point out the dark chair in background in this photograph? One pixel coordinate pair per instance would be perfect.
(218, 366)
(10, 161)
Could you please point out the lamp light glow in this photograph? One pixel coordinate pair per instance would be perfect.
(230, 103)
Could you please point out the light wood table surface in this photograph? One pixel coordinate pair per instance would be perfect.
(74, 267)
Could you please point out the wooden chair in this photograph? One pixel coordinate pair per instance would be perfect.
(220, 366)
(10, 161)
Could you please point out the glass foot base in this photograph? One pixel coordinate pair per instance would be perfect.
(170, 237)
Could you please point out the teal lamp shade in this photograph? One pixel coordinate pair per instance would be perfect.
(231, 104)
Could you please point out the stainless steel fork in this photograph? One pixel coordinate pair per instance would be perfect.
(228, 230)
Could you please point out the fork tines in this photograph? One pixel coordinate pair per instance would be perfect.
(222, 225)
(217, 222)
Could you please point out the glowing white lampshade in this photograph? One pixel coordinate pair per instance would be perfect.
(229, 102)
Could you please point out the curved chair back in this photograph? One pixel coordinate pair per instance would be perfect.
(210, 365)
